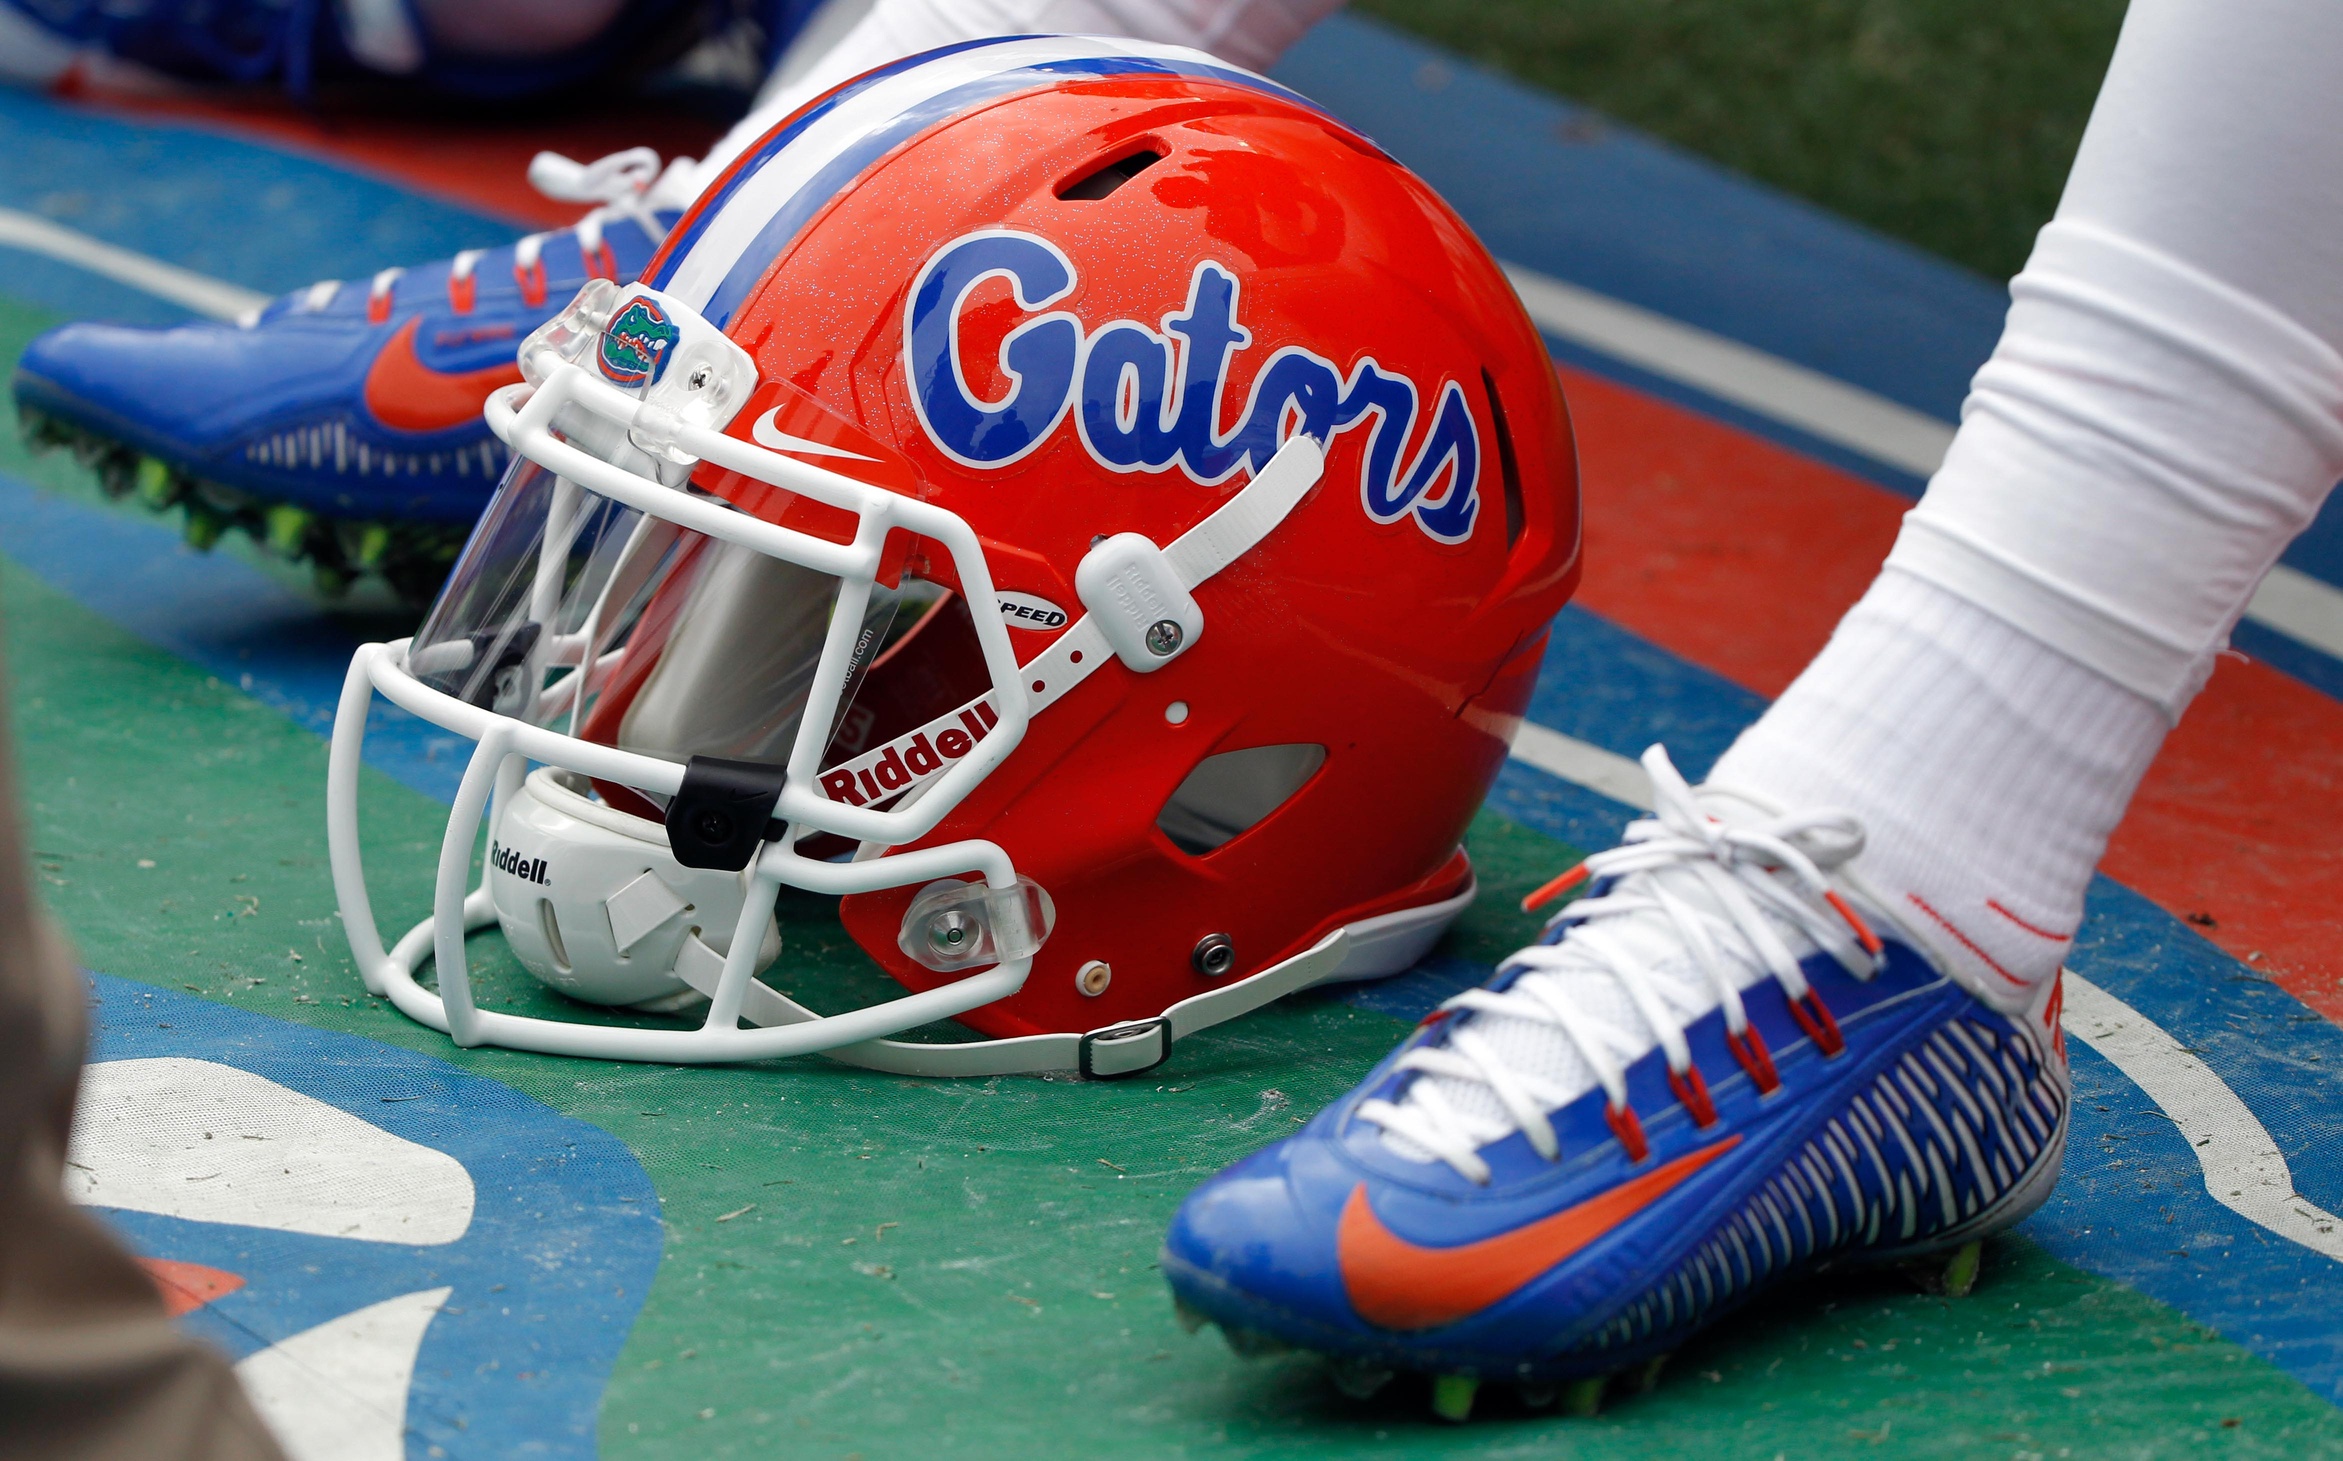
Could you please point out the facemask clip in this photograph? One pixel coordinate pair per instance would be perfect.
(954, 925)
(723, 812)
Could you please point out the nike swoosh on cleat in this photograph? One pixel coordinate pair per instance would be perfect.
(406, 395)
(1396, 1284)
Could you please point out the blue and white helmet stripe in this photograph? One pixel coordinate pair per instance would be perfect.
(728, 243)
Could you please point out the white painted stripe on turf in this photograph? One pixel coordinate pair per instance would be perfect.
(2244, 1170)
(1817, 404)
(2289, 601)
(1592, 767)
(2300, 607)
(198, 292)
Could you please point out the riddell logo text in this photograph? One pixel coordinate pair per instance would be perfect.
(896, 766)
(527, 869)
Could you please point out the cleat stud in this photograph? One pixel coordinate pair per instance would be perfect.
(1961, 1270)
(1191, 1319)
(331, 581)
(1452, 1397)
(157, 486)
(1538, 1396)
(288, 528)
(1583, 1397)
(117, 470)
(374, 542)
(1948, 1275)
(1358, 1379)
(1642, 1379)
(1252, 1344)
(203, 529)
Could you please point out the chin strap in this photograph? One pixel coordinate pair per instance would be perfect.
(1110, 1051)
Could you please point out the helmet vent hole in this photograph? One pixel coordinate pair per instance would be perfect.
(1229, 794)
(1508, 465)
(1098, 182)
(552, 926)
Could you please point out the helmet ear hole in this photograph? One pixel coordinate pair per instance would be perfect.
(551, 923)
(1228, 794)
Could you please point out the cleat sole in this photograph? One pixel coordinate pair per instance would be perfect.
(1452, 1397)
(1358, 1379)
(1538, 1397)
(412, 558)
(1252, 1344)
(1583, 1397)
(1642, 1379)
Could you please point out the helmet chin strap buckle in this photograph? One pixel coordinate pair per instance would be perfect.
(723, 812)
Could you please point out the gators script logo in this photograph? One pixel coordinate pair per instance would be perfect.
(635, 344)
(1145, 399)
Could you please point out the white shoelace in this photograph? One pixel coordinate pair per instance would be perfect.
(628, 184)
(1710, 894)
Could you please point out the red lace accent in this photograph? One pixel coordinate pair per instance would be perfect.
(1548, 892)
(1814, 1018)
(378, 307)
(532, 282)
(600, 263)
(1629, 1131)
(1692, 1090)
(1749, 1048)
(460, 293)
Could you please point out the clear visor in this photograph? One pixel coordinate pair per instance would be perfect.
(582, 615)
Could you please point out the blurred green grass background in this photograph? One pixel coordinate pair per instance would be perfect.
(1947, 123)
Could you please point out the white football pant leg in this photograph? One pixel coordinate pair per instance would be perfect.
(2164, 412)
(1250, 33)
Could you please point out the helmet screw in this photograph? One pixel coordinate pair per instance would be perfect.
(1093, 977)
(951, 932)
(1215, 955)
(713, 826)
(1164, 636)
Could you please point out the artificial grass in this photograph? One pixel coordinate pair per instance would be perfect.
(1950, 125)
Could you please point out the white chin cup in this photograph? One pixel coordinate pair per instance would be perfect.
(593, 903)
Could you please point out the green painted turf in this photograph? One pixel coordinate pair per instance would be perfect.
(1948, 123)
(963, 1268)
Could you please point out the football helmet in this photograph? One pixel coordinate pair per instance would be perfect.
(1077, 504)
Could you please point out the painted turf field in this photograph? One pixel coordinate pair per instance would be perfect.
(854, 1263)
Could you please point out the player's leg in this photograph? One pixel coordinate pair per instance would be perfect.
(1705, 1078)
(91, 1368)
(2164, 413)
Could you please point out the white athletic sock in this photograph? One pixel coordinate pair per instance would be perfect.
(1988, 769)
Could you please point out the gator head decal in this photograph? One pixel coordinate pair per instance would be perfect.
(636, 343)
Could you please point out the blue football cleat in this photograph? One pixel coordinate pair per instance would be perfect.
(342, 423)
(1710, 1075)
